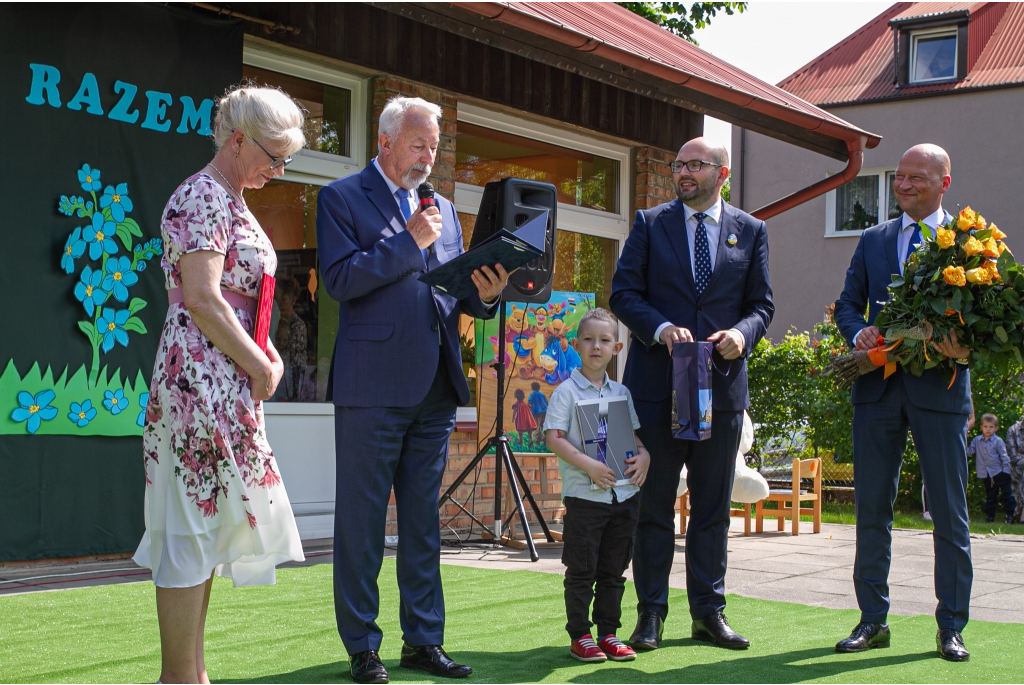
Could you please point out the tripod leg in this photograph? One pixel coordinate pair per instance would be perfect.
(531, 500)
(506, 456)
(462, 476)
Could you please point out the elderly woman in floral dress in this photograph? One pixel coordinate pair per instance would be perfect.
(214, 498)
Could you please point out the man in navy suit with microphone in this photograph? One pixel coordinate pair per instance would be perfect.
(695, 268)
(396, 380)
(884, 409)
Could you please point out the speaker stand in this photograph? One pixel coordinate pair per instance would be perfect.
(505, 460)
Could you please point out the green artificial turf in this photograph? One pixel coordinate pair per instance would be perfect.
(507, 625)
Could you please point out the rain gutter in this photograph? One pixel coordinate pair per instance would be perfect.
(856, 141)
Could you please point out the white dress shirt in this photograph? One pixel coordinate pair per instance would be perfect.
(932, 221)
(414, 195)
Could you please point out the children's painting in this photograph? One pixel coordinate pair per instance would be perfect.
(539, 349)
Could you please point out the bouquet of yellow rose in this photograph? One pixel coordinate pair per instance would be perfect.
(962, 280)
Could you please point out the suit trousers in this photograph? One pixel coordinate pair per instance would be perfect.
(379, 448)
(879, 441)
(711, 466)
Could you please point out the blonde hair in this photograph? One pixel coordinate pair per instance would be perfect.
(262, 113)
(599, 314)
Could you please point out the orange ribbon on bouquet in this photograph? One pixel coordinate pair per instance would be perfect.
(879, 356)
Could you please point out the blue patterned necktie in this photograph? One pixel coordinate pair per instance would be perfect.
(915, 239)
(404, 195)
(701, 254)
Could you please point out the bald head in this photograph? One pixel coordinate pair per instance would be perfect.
(701, 189)
(921, 179)
(930, 155)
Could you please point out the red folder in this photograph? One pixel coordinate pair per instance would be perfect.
(264, 310)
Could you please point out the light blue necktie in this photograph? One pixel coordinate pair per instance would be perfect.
(701, 254)
(404, 196)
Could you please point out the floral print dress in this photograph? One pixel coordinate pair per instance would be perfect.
(214, 497)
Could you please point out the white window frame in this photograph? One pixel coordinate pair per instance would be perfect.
(883, 204)
(915, 36)
(312, 166)
(570, 217)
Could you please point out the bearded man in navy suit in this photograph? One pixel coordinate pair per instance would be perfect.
(934, 410)
(695, 268)
(396, 380)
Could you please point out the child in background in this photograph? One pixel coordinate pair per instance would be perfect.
(599, 523)
(539, 407)
(993, 466)
(522, 417)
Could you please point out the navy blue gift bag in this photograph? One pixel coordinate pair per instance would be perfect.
(691, 390)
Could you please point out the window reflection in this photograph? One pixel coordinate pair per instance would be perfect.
(582, 179)
(328, 121)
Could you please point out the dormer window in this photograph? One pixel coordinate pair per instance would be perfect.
(933, 55)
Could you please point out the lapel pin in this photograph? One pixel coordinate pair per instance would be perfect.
(731, 240)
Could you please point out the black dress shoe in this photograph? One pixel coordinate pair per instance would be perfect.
(433, 660)
(715, 628)
(366, 667)
(647, 634)
(951, 645)
(864, 637)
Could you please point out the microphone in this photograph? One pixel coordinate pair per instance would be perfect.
(426, 193)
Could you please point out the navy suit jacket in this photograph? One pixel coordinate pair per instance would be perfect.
(653, 284)
(387, 350)
(867, 280)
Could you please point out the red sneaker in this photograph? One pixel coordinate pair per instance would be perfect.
(585, 649)
(615, 649)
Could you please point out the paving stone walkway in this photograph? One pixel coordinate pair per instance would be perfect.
(812, 569)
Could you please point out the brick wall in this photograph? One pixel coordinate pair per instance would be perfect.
(386, 87)
(653, 177)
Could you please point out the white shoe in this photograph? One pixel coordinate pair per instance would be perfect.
(927, 516)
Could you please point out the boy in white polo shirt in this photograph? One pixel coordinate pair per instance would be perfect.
(599, 524)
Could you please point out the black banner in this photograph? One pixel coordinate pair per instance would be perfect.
(104, 110)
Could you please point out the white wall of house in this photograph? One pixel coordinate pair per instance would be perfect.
(983, 133)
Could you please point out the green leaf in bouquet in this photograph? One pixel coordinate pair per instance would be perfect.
(939, 306)
(1001, 334)
(926, 231)
(956, 300)
(1003, 265)
(983, 235)
(1016, 354)
(897, 283)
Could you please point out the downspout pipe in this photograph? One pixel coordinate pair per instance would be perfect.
(855, 148)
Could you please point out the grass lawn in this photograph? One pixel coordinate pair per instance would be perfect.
(507, 625)
(832, 512)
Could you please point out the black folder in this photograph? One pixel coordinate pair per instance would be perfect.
(511, 250)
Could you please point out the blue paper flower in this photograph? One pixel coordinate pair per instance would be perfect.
(73, 249)
(87, 209)
(117, 200)
(89, 290)
(111, 326)
(100, 236)
(34, 410)
(89, 178)
(143, 402)
(82, 414)
(65, 205)
(115, 401)
(119, 277)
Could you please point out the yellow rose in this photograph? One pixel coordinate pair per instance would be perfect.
(992, 270)
(965, 221)
(991, 249)
(979, 275)
(996, 233)
(979, 222)
(973, 246)
(944, 237)
(1003, 248)
(954, 275)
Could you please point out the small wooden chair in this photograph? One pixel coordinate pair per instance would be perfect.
(789, 500)
(684, 513)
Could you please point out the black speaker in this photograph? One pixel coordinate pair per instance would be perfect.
(510, 203)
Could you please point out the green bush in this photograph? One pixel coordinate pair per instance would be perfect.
(800, 412)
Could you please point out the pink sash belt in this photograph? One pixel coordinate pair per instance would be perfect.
(243, 302)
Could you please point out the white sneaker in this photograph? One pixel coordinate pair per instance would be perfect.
(927, 516)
